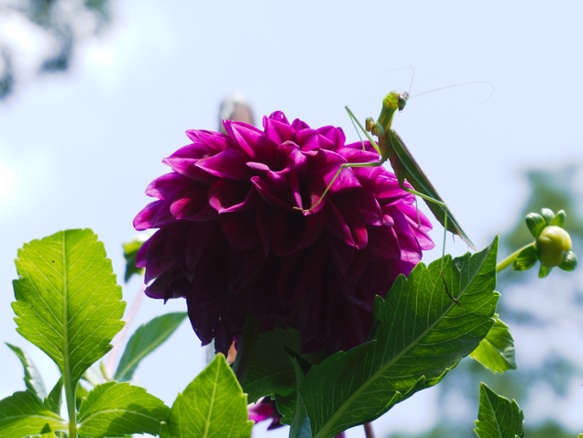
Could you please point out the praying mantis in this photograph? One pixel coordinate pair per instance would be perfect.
(391, 147)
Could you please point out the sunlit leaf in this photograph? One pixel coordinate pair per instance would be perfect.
(67, 301)
(32, 378)
(422, 334)
(23, 414)
(146, 339)
(55, 398)
(213, 404)
(496, 350)
(498, 417)
(114, 409)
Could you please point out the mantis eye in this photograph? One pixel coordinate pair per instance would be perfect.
(403, 97)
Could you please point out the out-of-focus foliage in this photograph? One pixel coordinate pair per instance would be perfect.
(40, 36)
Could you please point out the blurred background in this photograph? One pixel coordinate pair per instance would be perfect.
(94, 93)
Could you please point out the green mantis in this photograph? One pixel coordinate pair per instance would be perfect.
(391, 147)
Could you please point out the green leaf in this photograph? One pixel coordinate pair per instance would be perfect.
(55, 398)
(422, 334)
(270, 369)
(23, 414)
(213, 404)
(146, 339)
(32, 378)
(498, 417)
(496, 350)
(81, 393)
(130, 251)
(300, 426)
(117, 409)
(67, 301)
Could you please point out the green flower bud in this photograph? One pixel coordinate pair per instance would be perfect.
(535, 223)
(548, 214)
(553, 244)
(560, 219)
(569, 262)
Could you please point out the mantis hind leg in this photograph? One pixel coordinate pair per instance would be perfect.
(445, 217)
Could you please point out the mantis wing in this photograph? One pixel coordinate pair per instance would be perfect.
(406, 167)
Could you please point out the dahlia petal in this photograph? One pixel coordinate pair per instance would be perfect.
(230, 196)
(277, 128)
(228, 164)
(191, 203)
(154, 215)
(166, 185)
(206, 143)
(189, 169)
(245, 136)
(240, 230)
(349, 226)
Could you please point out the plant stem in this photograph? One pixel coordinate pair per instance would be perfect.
(510, 259)
(368, 432)
(245, 347)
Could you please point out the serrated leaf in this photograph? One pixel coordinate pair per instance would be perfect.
(67, 301)
(55, 398)
(146, 339)
(23, 414)
(496, 351)
(213, 404)
(32, 378)
(117, 409)
(422, 334)
(130, 252)
(498, 417)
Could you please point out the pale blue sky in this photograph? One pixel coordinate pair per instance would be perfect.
(78, 150)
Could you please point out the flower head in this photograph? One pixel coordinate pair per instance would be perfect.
(233, 239)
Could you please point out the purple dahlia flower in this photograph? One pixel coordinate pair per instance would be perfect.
(232, 241)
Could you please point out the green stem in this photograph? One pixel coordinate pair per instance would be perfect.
(71, 410)
(68, 384)
(511, 258)
(245, 347)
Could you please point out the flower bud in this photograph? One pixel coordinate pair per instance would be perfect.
(553, 244)
(535, 223)
(548, 215)
(560, 219)
(569, 262)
